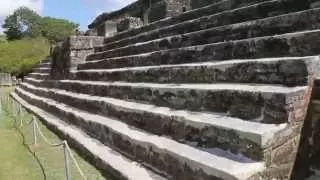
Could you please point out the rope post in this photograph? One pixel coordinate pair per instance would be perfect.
(1, 107)
(20, 115)
(12, 108)
(15, 110)
(34, 128)
(7, 99)
(8, 102)
(67, 160)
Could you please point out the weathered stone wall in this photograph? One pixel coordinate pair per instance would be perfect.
(73, 51)
(6, 79)
(167, 8)
(157, 11)
(308, 160)
(281, 154)
(176, 7)
(201, 3)
(314, 141)
(128, 23)
(148, 11)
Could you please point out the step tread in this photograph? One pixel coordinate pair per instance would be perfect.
(128, 168)
(215, 165)
(43, 68)
(45, 63)
(222, 64)
(217, 86)
(117, 38)
(200, 48)
(257, 132)
(189, 34)
(41, 74)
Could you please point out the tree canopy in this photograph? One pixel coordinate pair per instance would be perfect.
(28, 38)
(56, 30)
(25, 22)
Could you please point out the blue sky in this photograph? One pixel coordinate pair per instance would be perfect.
(79, 11)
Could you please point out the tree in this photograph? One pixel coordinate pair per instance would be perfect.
(13, 28)
(24, 22)
(56, 30)
(27, 23)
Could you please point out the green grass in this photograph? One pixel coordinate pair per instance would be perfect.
(21, 56)
(20, 160)
(16, 162)
(3, 38)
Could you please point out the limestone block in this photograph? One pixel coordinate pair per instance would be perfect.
(201, 3)
(83, 42)
(5, 79)
(129, 23)
(158, 11)
(73, 51)
(91, 32)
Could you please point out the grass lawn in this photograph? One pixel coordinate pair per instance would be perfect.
(20, 160)
(16, 162)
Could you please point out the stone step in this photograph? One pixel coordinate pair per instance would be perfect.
(37, 75)
(316, 89)
(257, 103)
(289, 71)
(48, 60)
(178, 161)
(293, 22)
(42, 70)
(112, 163)
(304, 43)
(279, 7)
(44, 65)
(198, 129)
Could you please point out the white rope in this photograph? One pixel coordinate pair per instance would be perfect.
(45, 138)
(75, 162)
(64, 143)
(61, 144)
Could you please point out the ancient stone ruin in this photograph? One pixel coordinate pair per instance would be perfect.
(189, 90)
(6, 79)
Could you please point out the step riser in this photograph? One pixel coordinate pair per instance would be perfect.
(39, 76)
(206, 11)
(174, 127)
(267, 108)
(275, 72)
(47, 71)
(45, 65)
(296, 44)
(277, 25)
(92, 156)
(258, 11)
(139, 151)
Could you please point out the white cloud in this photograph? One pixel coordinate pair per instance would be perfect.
(7, 7)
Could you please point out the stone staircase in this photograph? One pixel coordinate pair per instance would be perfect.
(220, 92)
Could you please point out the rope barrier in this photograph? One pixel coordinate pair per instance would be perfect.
(45, 139)
(17, 115)
(76, 162)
